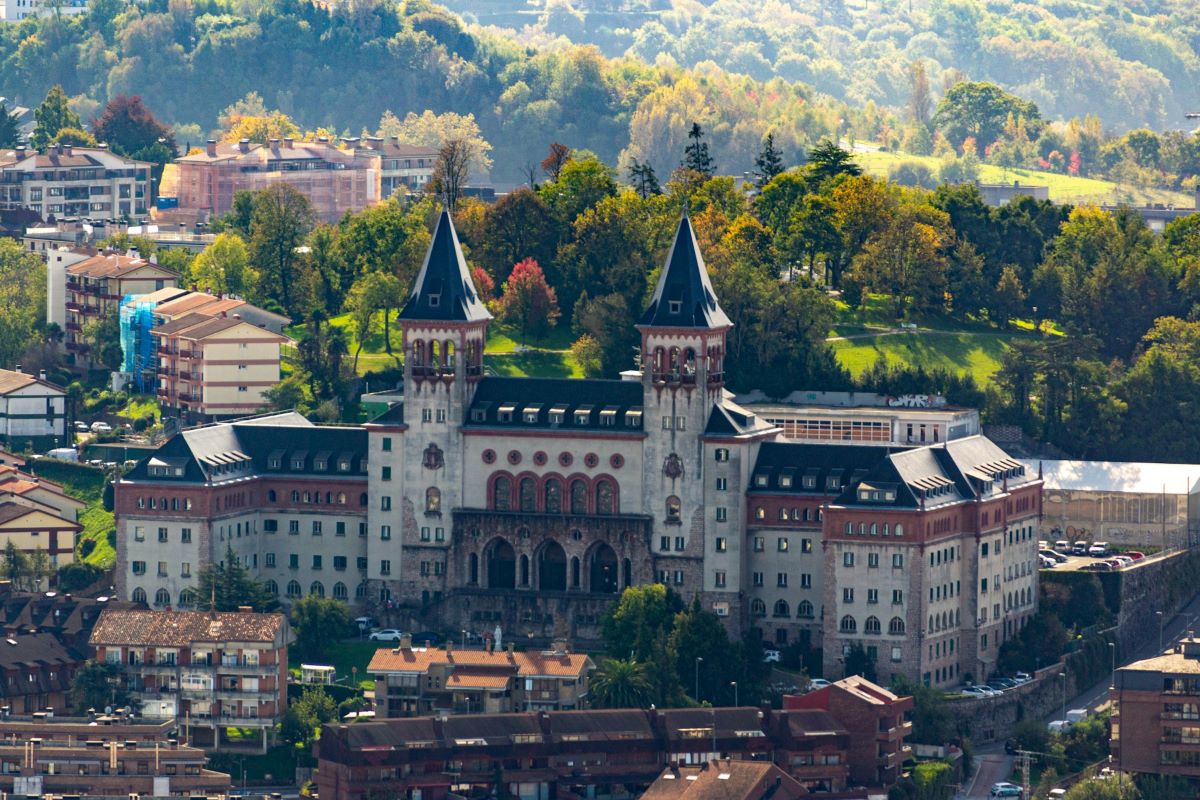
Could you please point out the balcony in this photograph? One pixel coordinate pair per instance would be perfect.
(246, 669)
(74, 326)
(74, 307)
(155, 668)
(77, 347)
(74, 286)
(266, 695)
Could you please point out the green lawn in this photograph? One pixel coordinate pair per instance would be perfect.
(1063, 188)
(978, 353)
(139, 406)
(96, 524)
(277, 765)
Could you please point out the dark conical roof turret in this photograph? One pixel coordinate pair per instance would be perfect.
(684, 297)
(443, 290)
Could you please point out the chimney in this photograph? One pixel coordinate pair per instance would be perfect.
(21, 152)
(210, 147)
(560, 647)
(244, 145)
(67, 149)
(17, 368)
(288, 141)
(406, 641)
(42, 377)
(245, 609)
(273, 142)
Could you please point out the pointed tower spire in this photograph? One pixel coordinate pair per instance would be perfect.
(684, 297)
(443, 290)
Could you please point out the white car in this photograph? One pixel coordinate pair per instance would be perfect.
(771, 656)
(817, 683)
(1022, 677)
(81, 426)
(987, 690)
(1098, 550)
(385, 635)
(101, 427)
(973, 691)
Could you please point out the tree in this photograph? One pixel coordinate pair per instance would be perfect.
(261, 128)
(980, 110)
(304, 716)
(52, 116)
(586, 352)
(129, 127)
(698, 633)
(932, 721)
(17, 569)
(641, 617)
(827, 161)
(1009, 298)
(812, 231)
(389, 237)
(318, 621)
(1116, 787)
(99, 686)
(226, 585)
(224, 267)
(452, 170)
(644, 181)
(103, 335)
(859, 662)
(552, 164)
(282, 217)
(518, 225)
(768, 163)
(582, 183)
(435, 130)
(10, 131)
(621, 683)
(920, 99)
(373, 293)
(695, 155)
(22, 299)
(527, 301)
(906, 261)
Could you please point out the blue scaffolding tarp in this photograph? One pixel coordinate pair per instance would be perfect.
(137, 347)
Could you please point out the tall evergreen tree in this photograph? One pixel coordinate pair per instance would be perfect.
(52, 116)
(695, 155)
(10, 132)
(769, 162)
(645, 182)
(225, 585)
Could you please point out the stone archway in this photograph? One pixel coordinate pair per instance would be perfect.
(552, 567)
(501, 562)
(602, 570)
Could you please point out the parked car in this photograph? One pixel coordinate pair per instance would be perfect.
(1004, 789)
(1135, 555)
(385, 635)
(63, 454)
(1022, 677)
(771, 656)
(987, 690)
(1099, 550)
(1058, 557)
(1062, 546)
(1046, 563)
(973, 691)
(1114, 563)
(817, 683)
(1125, 560)
(1097, 566)
(81, 426)
(101, 427)
(1080, 548)
(1043, 544)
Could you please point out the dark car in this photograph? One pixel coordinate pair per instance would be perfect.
(420, 638)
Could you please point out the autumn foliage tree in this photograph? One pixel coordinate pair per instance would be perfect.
(528, 302)
(129, 127)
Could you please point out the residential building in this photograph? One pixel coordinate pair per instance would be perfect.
(101, 757)
(531, 503)
(57, 261)
(599, 753)
(37, 532)
(16, 10)
(334, 180)
(74, 181)
(998, 194)
(37, 493)
(288, 496)
(213, 671)
(95, 287)
(33, 411)
(1134, 504)
(411, 681)
(73, 233)
(403, 168)
(725, 780)
(874, 719)
(1155, 726)
(35, 673)
(69, 618)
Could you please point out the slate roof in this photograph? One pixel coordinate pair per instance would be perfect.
(783, 467)
(612, 406)
(730, 419)
(36, 656)
(393, 416)
(182, 628)
(443, 290)
(684, 297)
(270, 444)
(67, 615)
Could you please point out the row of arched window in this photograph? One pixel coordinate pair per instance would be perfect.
(329, 498)
(873, 529)
(188, 597)
(781, 609)
(943, 621)
(553, 495)
(433, 357)
(872, 626)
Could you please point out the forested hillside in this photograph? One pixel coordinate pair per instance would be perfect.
(1132, 62)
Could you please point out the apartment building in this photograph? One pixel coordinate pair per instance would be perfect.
(725, 780)
(101, 756)
(1155, 727)
(288, 496)
(93, 289)
(212, 671)
(37, 493)
(411, 681)
(73, 233)
(69, 618)
(35, 531)
(73, 181)
(33, 411)
(334, 180)
(875, 722)
(35, 673)
(215, 367)
(403, 167)
(596, 753)
(16, 10)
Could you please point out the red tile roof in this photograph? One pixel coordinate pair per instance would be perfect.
(420, 659)
(182, 628)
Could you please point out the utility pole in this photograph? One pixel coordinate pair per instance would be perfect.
(1024, 756)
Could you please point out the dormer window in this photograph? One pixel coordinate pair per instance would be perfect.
(478, 414)
(583, 415)
(298, 463)
(633, 418)
(557, 415)
(276, 463)
(530, 415)
(761, 479)
(608, 417)
(505, 412)
(674, 306)
(785, 481)
(344, 465)
(435, 300)
(832, 482)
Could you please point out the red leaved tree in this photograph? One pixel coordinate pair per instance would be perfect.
(528, 302)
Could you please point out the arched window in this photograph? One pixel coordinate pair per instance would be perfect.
(418, 353)
(899, 529)
(139, 595)
(872, 626)
(807, 515)
(931, 625)
(553, 496)
(272, 587)
(341, 498)
(605, 499)
(527, 494)
(502, 494)
(758, 608)
(782, 609)
(673, 511)
(360, 591)
(293, 589)
(524, 570)
(271, 495)
(579, 493)
(317, 588)
(804, 610)
(433, 500)
(362, 499)
(874, 528)
(339, 591)
(187, 598)
(848, 625)
(896, 627)
(783, 514)
(162, 598)
(295, 495)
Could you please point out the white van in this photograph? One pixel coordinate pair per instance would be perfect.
(63, 454)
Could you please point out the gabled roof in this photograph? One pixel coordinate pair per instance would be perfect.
(11, 381)
(116, 265)
(684, 297)
(527, 664)
(181, 628)
(730, 419)
(613, 406)
(443, 290)
(10, 512)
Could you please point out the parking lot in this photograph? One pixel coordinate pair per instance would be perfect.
(1077, 562)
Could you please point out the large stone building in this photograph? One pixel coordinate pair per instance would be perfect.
(530, 503)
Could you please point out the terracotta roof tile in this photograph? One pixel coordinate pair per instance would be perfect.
(181, 628)
(420, 659)
(113, 265)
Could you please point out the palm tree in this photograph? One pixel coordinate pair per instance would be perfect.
(621, 683)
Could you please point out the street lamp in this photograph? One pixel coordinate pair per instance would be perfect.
(1159, 614)
(1112, 650)
(735, 693)
(697, 677)
(1063, 675)
(464, 639)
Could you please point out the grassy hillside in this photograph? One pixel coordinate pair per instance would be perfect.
(1063, 188)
